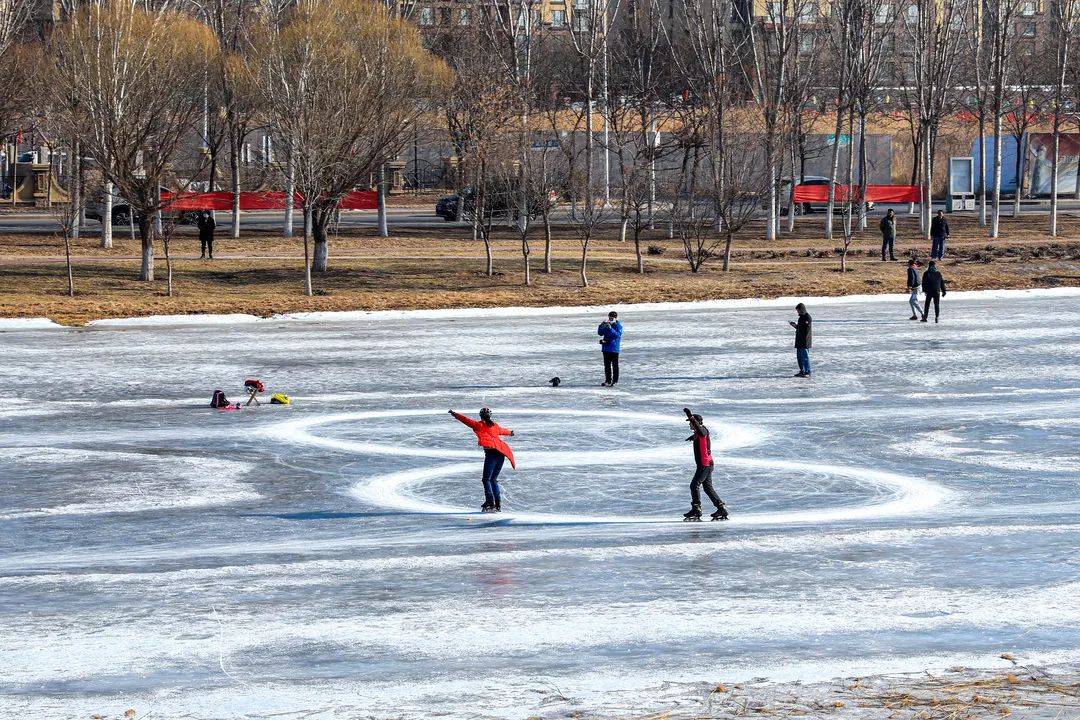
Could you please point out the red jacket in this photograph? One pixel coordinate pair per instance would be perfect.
(487, 436)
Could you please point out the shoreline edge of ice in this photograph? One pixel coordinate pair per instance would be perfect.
(192, 320)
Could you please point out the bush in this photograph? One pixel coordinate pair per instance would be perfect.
(655, 250)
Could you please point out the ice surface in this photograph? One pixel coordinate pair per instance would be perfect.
(917, 504)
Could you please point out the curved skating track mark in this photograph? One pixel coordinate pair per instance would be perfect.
(396, 490)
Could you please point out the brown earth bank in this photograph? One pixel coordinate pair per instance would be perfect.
(1024, 691)
(437, 267)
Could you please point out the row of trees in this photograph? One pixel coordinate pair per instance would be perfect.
(702, 110)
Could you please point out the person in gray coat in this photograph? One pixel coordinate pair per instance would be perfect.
(888, 234)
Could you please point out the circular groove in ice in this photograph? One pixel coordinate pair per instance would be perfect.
(394, 490)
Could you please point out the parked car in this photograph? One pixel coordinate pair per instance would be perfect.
(500, 202)
(121, 211)
(805, 208)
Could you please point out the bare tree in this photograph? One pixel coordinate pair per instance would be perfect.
(341, 83)
(933, 33)
(589, 39)
(999, 21)
(129, 83)
(773, 44)
(1026, 93)
(1063, 31)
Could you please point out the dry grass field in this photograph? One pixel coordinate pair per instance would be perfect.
(441, 267)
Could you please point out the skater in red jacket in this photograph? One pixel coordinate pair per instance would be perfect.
(496, 451)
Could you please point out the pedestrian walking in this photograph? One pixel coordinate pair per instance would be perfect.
(206, 224)
(913, 284)
(888, 234)
(803, 340)
(939, 233)
(933, 285)
(703, 473)
(610, 332)
(496, 451)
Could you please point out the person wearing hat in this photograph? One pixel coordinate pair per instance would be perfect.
(933, 287)
(703, 474)
(496, 451)
(913, 284)
(610, 332)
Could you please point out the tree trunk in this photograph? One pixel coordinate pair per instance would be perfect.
(319, 218)
(76, 192)
(862, 169)
(834, 168)
(146, 271)
(547, 243)
(995, 219)
(168, 265)
(791, 191)
(307, 253)
(235, 142)
(927, 189)
(584, 262)
(982, 165)
(106, 218)
(1019, 168)
(67, 258)
(290, 193)
(1054, 160)
(381, 199)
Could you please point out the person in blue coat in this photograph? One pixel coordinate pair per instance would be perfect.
(610, 332)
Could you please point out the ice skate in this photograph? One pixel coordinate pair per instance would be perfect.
(720, 514)
(487, 507)
(694, 515)
(913, 317)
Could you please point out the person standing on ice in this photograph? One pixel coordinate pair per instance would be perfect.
(703, 474)
(610, 332)
(496, 451)
(913, 284)
(803, 340)
(933, 287)
(939, 233)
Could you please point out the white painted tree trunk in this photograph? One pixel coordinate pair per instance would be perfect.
(106, 218)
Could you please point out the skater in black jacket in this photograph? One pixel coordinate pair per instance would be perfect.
(703, 474)
(933, 286)
(803, 340)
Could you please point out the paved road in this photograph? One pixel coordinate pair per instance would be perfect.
(408, 217)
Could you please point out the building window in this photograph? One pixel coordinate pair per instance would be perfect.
(581, 22)
(1027, 9)
(1027, 29)
(807, 12)
(912, 14)
(775, 10)
(806, 44)
(444, 16)
(883, 13)
(427, 17)
(558, 18)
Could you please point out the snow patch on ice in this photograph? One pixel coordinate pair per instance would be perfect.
(18, 324)
(134, 482)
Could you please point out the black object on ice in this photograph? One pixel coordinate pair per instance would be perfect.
(555, 381)
(720, 514)
(694, 515)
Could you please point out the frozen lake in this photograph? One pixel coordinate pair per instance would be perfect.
(915, 505)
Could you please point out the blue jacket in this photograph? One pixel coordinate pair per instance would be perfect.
(612, 334)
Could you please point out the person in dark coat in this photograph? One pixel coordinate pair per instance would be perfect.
(803, 340)
(939, 233)
(206, 225)
(913, 284)
(703, 474)
(888, 234)
(933, 286)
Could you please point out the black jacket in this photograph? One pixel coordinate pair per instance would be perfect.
(933, 283)
(939, 227)
(803, 333)
(888, 228)
(913, 278)
(206, 224)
